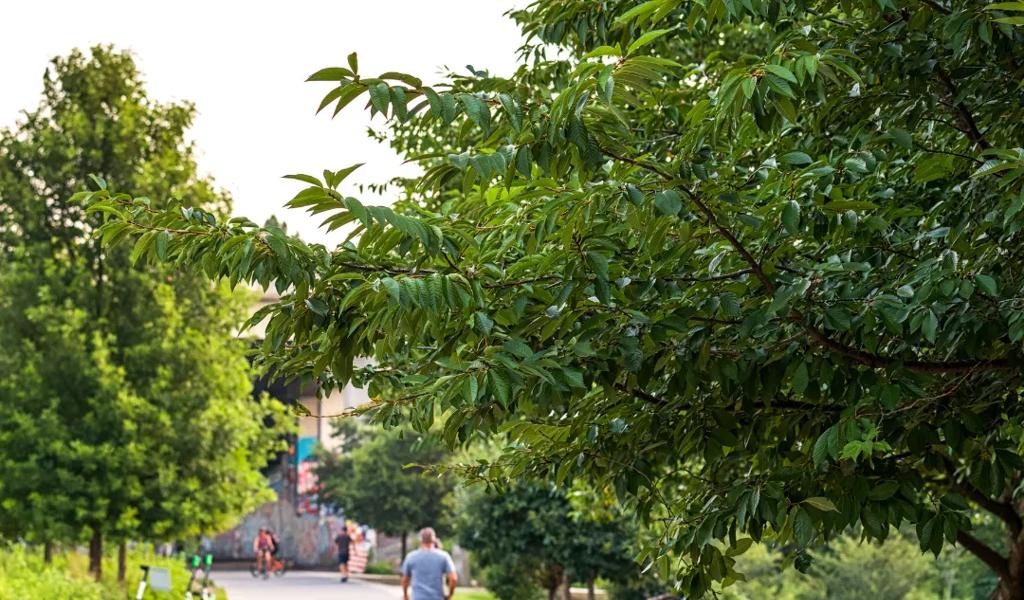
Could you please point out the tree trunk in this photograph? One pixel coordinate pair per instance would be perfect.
(122, 559)
(404, 534)
(566, 584)
(1011, 579)
(96, 554)
(552, 593)
(47, 552)
(591, 592)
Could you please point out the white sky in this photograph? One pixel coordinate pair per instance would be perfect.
(244, 65)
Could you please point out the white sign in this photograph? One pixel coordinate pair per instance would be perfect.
(160, 579)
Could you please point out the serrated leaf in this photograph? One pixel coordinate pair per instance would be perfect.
(484, 323)
(791, 217)
(821, 503)
(803, 527)
(780, 71)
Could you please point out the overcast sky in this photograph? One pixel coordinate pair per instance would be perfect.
(244, 63)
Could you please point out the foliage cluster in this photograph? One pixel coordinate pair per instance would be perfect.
(754, 267)
(529, 536)
(380, 478)
(125, 397)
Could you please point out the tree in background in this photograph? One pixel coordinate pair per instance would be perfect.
(756, 266)
(528, 535)
(125, 399)
(379, 478)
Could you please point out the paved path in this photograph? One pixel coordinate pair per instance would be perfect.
(301, 585)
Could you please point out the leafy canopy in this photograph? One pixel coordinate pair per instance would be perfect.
(753, 266)
(379, 478)
(125, 398)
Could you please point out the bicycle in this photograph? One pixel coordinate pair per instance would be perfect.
(277, 567)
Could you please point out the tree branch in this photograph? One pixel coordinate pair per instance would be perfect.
(997, 562)
(859, 356)
(967, 123)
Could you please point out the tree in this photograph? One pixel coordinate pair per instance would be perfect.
(529, 535)
(380, 479)
(125, 398)
(755, 266)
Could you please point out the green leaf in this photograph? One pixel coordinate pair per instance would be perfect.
(884, 490)
(902, 138)
(668, 202)
(782, 72)
(791, 217)
(821, 503)
(987, 283)
(162, 239)
(598, 264)
(380, 97)
(645, 39)
(484, 323)
(797, 158)
(477, 110)
(929, 326)
(604, 51)
(801, 378)
(318, 306)
(803, 528)
(331, 74)
(470, 389)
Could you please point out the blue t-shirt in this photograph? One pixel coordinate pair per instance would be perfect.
(428, 569)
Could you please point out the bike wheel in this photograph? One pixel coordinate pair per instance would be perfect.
(253, 570)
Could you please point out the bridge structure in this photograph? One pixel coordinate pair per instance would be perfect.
(306, 528)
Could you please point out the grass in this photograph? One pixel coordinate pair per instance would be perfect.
(474, 595)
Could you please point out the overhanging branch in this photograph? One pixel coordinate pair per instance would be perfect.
(997, 562)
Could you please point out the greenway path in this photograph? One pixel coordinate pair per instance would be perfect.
(302, 585)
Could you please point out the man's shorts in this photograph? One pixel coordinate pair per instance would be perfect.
(342, 559)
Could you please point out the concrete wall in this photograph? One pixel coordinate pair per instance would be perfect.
(307, 540)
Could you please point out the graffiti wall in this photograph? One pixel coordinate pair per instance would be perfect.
(306, 539)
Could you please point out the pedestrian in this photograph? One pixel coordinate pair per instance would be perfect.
(427, 570)
(343, 540)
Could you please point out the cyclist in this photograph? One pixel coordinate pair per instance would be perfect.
(262, 545)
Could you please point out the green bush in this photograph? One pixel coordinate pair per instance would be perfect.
(24, 575)
(380, 568)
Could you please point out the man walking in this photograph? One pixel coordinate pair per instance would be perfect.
(343, 541)
(427, 570)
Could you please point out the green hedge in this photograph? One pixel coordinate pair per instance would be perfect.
(24, 576)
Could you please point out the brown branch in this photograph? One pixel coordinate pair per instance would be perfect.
(1003, 510)
(882, 362)
(990, 557)
(967, 123)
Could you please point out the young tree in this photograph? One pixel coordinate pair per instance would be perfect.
(380, 480)
(125, 399)
(530, 535)
(753, 265)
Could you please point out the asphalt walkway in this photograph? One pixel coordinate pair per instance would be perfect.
(301, 585)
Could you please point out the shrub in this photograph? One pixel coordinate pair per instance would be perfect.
(380, 568)
(24, 575)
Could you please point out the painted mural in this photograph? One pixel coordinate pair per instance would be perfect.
(307, 540)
